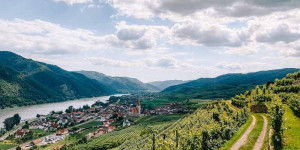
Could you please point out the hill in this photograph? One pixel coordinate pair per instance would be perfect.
(224, 86)
(164, 84)
(282, 99)
(26, 82)
(120, 84)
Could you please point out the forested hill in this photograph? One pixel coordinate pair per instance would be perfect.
(224, 86)
(120, 84)
(164, 84)
(25, 82)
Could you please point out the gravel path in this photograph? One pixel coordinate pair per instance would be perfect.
(243, 139)
(260, 141)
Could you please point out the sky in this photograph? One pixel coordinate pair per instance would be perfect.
(155, 40)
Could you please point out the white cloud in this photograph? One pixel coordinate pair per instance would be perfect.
(71, 2)
(206, 34)
(176, 9)
(137, 36)
(161, 62)
(242, 67)
(46, 38)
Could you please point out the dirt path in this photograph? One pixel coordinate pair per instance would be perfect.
(260, 141)
(243, 139)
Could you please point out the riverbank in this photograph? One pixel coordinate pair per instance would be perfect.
(30, 112)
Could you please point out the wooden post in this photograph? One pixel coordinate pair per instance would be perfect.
(176, 139)
(153, 145)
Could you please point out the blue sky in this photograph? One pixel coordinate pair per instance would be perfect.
(154, 40)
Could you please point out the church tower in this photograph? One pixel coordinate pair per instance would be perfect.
(138, 106)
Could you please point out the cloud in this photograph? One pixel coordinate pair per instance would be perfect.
(161, 62)
(46, 38)
(43, 37)
(174, 9)
(137, 36)
(279, 33)
(111, 62)
(206, 34)
(71, 2)
(242, 67)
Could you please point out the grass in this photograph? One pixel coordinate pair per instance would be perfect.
(7, 146)
(154, 119)
(254, 134)
(37, 133)
(90, 124)
(157, 102)
(87, 131)
(266, 140)
(292, 133)
(237, 135)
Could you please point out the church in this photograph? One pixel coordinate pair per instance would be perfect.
(135, 111)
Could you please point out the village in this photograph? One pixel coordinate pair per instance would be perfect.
(100, 117)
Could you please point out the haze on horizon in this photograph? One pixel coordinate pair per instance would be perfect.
(154, 40)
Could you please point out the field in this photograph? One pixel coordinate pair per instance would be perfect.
(160, 101)
(237, 135)
(292, 132)
(157, 102)
(6, 146)
(253, 136)
(90, 124)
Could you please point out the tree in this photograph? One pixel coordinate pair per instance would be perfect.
(18, 148)
(26, 126)
(17, 119)
(69, 109)
(85, 107)
(9, 123)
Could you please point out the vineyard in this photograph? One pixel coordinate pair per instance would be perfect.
(277, 97)
(206, 128)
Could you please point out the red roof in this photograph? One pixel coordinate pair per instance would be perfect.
(20, 132)
(61, 131)
(54, 125)
(134, 110)
(111, 127)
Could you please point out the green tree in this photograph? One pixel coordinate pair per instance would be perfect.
(17, 119)
(9, 123)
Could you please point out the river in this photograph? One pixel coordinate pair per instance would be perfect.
(30, 112)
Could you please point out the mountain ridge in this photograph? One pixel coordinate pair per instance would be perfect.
(225, 86)
(33, 82)
(120, 84)
(167, 83)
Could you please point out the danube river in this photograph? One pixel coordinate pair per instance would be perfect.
(30, 112)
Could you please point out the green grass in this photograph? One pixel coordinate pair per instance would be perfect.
(7, 146)
(254, 134)
(266, 140)
(154, 119)
(237, 135)
(37, 133)
(292, 133)
(90, 124)
(157, 102)
(87, 131)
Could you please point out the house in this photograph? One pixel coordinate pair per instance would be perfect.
(21, 132)
(100, 131)
(126, 123)
(37, 141)
(110, 128)
(62, 131)
(54, 126)
(90, 135)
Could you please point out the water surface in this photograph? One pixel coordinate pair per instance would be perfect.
(30, 112)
